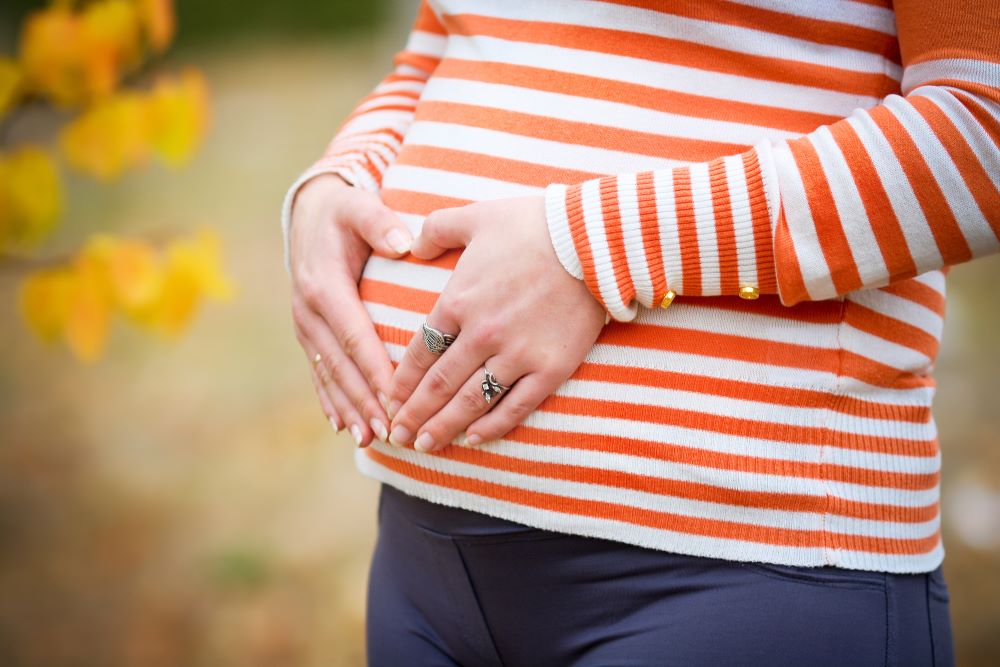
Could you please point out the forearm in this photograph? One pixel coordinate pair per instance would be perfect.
(906, 187)
(369, 139)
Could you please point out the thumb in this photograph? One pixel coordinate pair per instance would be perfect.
(383, 230)
(442, 229)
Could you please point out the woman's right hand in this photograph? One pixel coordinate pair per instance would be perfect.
(334, 228)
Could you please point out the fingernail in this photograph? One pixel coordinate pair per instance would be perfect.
(335, 425)
(383, 402)
(398, 240)
(424, 442)
(400, 435)
(393, 409)
(474, 439)
(356, 434)
(379, 428)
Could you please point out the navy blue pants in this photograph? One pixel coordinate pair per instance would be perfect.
(449, 586)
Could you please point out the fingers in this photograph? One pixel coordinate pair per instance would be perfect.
(381, 228)
(424, 381)
(522, 399)
(350, 417)
(324, 400)
(468, 405)
(335, 404)
(442, 229)
(364, 417)
(417, 359)
(342, 312)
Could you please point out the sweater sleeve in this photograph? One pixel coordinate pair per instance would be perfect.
(369, 139)
(908, 186)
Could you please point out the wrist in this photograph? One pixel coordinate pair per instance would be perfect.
(317, 182)
(320, 186)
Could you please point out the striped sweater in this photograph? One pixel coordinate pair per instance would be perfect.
(833, 157)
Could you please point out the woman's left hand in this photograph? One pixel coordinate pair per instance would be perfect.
(513, 308)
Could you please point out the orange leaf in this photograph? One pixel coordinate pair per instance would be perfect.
(89, 311)
(159, 21)
(179, 115)
(30, 196)
(10, 84)
(43, 300)
(53, 55)
(111, 136)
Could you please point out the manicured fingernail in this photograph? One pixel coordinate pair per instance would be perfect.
(335, 425)
(474, 439)
(383, 402)
(398, 240)
(356, 434)
(393, 409)
(400, 435)
(379, 428)
(424, 442)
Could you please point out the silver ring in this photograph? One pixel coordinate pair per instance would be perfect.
(491, 386)
(435, 340)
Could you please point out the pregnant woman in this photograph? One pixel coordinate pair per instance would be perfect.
(632, 308)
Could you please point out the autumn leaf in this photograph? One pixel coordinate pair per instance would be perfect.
(159, 22)
(192, 270)
(43, 300)
(74, 57)
(88, 310)
(30, 196)
(133, 269)
(112, 39)
(110, 137)
(201, 256)
(10, 84)
(52, 54)
(179, 115)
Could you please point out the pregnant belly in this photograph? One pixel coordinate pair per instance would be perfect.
(400, 293)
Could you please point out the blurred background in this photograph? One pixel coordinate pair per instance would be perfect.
(183, 501)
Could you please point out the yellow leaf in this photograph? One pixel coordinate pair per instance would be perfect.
(135, 273)
(75, 57)
(175, 305)
(88, 312)
(109, 137)
(30, 196)
(201, 257)
(191, 270)
(10, 84)
(52, 53)
(111, 34)
(43, 300)
(179, 116)
(159, 21)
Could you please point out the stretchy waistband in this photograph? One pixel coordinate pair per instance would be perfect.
(446, 519)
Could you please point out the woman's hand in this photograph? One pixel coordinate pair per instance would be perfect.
(513, 308)
(334, 229)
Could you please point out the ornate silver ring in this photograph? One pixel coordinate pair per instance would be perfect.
(491, 386)
(435, 340)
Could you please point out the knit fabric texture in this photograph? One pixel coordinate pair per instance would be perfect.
(836, 155)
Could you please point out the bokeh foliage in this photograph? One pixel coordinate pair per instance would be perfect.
(96, 63)
(209, 22)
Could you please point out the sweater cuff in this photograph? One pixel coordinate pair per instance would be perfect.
(698, 230)
(583, 259)
(351, 172)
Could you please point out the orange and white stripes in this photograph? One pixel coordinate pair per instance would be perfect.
(369, 139)
(798, 146)
(903, 188)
